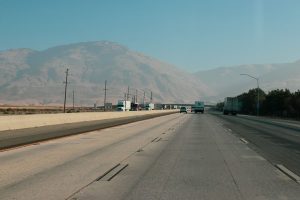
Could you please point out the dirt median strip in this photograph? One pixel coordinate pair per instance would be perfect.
(14, 138)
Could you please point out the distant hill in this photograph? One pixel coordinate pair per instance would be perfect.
(227, 81)
(36, 77)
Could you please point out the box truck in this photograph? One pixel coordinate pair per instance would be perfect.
(135, 107)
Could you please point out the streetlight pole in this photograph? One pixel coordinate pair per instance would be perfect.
(257, 81)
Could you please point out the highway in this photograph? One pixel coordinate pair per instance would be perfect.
(178, 156)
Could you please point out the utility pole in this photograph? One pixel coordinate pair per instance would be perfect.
(66, 85)
(144, 99)
(136, 96)
(128, 93)
(73, 100)
(151, 97)
(125, 97)
(105, 94)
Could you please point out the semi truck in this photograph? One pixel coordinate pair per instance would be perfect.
(135, 107)
(198, 107)
(231, 106)
(149, 106)
(123, 105)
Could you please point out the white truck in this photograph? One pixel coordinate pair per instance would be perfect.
(123, 105)
(198, 107)
(231, 106)
(149, 106)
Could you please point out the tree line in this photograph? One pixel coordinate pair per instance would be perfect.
(277, 103)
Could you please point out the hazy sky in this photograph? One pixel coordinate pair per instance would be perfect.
(191, 34)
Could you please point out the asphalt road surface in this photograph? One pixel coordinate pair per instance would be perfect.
(276, 140)
(179, 156)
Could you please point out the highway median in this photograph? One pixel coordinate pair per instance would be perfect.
(39, 129)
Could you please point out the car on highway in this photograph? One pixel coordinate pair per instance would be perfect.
(183, 109)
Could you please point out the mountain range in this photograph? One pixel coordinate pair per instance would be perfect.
(37, 77)
(228, 81)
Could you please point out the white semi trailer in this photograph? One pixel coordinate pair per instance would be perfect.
(123, 105)
(231, 106)
(149, 106)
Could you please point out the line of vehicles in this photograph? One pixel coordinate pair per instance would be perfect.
(231, 106)
(123, 105)
(131, 106)
(198, 107)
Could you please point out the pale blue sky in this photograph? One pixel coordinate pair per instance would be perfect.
(191, 34)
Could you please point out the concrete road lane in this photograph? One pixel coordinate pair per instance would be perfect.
(56, 169)
(201, 159)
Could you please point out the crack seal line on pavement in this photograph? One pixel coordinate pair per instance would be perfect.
(108, 176)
